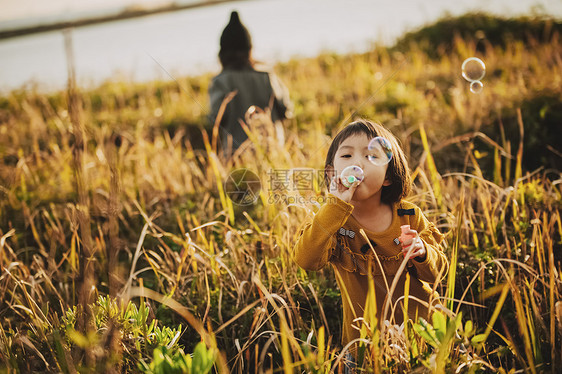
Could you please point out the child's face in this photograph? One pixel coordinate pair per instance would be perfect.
(354, 151)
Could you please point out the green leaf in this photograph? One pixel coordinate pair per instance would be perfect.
(468, 326)
(142, 315)
(440, 325)
(458, 321)
(424, 332)
(151, 327)
(203, 359)
(184, 362)
(158, 357)
(477, 339)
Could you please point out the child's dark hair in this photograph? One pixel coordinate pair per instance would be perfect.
(397, 172)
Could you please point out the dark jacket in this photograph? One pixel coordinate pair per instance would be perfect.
(253, 88)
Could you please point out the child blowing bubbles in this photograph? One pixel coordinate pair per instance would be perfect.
(375, 205)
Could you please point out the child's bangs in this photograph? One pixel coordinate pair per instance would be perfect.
(359, 128)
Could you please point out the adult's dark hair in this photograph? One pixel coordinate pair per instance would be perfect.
(235, 45)
(236, 60)
(397, 172)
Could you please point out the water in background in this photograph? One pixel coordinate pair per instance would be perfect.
(185, 42)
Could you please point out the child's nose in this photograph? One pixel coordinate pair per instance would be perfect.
(360, 161)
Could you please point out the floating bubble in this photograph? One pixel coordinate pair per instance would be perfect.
(476, 87)
(351, 175)
(473, 69)
(380, 151)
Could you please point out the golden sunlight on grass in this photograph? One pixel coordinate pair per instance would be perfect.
(120, 250)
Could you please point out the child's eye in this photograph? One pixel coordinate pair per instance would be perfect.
(345, 156)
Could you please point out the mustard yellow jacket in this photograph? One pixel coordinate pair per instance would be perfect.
(333, 237)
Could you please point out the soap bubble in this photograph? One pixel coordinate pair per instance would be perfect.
(351, 175)
(473, 69)
(380, 151)
(476, 87)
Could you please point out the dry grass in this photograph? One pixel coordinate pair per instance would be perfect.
(118, 183)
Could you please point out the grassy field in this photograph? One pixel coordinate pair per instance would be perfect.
(120, 250)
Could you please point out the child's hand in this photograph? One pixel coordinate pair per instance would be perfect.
(418, 251)
(342, 192)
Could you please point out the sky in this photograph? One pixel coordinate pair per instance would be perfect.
(186, 42)
(24, 9)
(16, 11)
(24, 12)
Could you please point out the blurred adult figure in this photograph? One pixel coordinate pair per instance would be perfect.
(250, 87)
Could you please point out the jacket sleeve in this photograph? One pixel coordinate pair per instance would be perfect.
(217, 93)
(283, 103)
(316, 239)
(435, 266)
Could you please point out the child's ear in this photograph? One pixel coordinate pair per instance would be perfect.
(387, 181)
